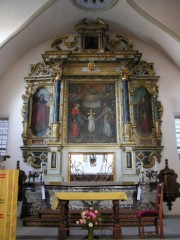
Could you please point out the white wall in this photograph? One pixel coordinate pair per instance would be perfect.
(12, 87)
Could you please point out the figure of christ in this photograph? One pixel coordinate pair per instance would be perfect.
(91, 121)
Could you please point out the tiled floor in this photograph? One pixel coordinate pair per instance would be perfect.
(171, 231)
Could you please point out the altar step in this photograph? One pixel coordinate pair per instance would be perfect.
(45, 218)
(35, 221)
(50, 218)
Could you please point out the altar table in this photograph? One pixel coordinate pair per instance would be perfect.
(63, 199)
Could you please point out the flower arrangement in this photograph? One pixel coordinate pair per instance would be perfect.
(90, 219)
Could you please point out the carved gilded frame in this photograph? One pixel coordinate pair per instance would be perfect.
(82, 168)
(91, 138)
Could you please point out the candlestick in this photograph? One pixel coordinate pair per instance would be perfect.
(142, 176)
(41, 177)
(41, 167)
(29, 168)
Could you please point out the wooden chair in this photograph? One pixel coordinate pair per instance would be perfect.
(147, 217)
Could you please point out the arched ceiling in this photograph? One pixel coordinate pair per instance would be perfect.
(24, 24)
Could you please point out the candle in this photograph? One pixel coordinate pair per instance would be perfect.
(30, 168)
(41, 167)
(142, 169)
(155, 167)
(43, 193)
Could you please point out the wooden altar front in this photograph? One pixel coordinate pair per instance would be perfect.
(63, 199)
(34, 207)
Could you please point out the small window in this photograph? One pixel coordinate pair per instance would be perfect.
(177, 128)
(91, 43)
(4, 124)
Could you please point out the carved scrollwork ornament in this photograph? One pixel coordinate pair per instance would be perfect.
(23, 110)
(160, 109)
(31, 160)
(143, 68)
(119, 43)
(158, 156)
(151, 160)
(65, 42)
(91, 65)
(40, 69)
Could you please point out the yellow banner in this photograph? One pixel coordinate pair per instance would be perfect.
(8, 203)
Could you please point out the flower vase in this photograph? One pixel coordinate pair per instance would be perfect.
(90, 234)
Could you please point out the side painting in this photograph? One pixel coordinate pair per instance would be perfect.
(40, 112)
(91, 115)
(143, 112)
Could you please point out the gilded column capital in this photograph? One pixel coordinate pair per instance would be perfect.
(125, 72)
(57, 71)
(154, 91)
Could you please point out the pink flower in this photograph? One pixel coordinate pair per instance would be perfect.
(93, 215)
(89, 217)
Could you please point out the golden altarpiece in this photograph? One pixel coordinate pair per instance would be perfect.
(92, 102)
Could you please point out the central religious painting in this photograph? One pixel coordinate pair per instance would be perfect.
(91, 113)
